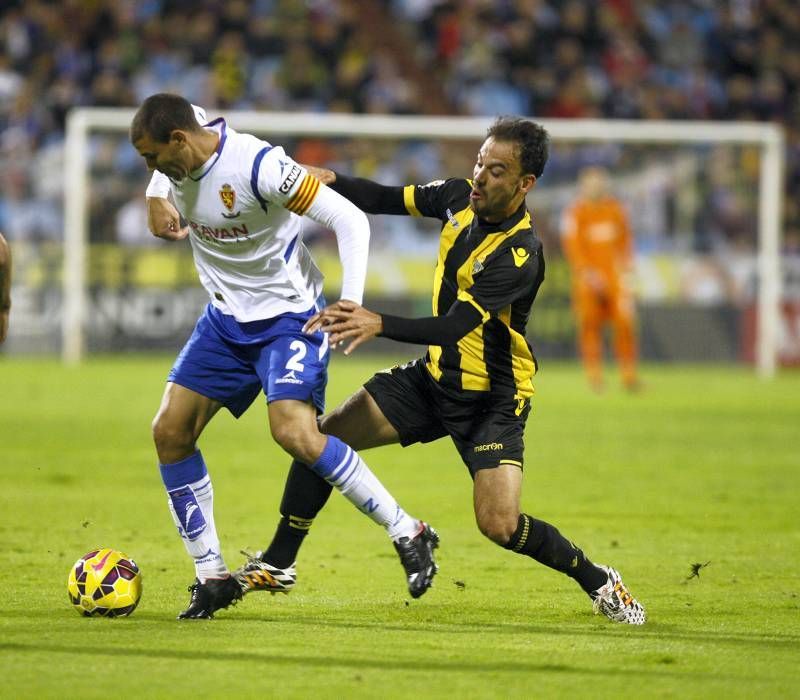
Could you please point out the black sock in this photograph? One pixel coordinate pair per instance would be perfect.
(544, 543)
(303, 497)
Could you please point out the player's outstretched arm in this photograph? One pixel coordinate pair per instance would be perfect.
(5, 287)
(367, 195)
(346, 320)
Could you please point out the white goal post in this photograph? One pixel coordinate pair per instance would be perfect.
(768, 137)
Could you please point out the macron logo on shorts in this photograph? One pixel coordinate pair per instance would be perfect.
(488, 447)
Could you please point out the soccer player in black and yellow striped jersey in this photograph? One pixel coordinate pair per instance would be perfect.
(475, 382)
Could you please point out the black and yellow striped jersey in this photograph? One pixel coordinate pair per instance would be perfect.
(497, 268)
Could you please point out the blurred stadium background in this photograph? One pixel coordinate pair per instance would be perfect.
(694, 208)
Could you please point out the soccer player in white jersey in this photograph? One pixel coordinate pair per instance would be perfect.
(243, 200)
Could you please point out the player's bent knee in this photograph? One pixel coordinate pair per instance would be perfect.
(171, 439)
(359, 422)
(498, 527)
(300, 443)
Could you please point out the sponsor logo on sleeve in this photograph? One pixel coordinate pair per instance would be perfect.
(290, 179)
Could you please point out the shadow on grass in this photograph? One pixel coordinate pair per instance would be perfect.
(358, 663)
(584, 626)
(650, 631)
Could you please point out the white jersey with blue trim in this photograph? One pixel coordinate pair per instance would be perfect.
(243, 207)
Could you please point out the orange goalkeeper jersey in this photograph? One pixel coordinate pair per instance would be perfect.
(597, 237)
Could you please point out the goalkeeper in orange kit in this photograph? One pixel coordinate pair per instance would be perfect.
(597, 243)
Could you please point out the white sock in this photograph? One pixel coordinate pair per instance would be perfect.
(362, 488)
(192, 508)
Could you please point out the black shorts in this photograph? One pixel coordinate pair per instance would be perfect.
(487, 429)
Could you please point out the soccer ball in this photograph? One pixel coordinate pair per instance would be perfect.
(104, 582)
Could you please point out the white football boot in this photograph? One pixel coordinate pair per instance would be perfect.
(259, 575)
(615, 601)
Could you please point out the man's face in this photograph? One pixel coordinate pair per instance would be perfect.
(496, 181)
(593, 183)
(170, 158)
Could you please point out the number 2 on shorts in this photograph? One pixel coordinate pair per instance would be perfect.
(293, 363)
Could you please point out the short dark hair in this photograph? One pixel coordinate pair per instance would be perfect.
(531, 138)
(160, 114)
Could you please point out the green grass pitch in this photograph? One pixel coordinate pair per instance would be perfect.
(701, 467)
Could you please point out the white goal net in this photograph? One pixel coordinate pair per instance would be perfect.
(704, 201)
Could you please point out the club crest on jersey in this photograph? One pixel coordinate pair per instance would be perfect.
(228, 196)
(477, 266)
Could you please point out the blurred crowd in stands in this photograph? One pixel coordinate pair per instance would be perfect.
(637, 59)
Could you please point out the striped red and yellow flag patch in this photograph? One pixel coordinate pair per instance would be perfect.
(304, 196)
